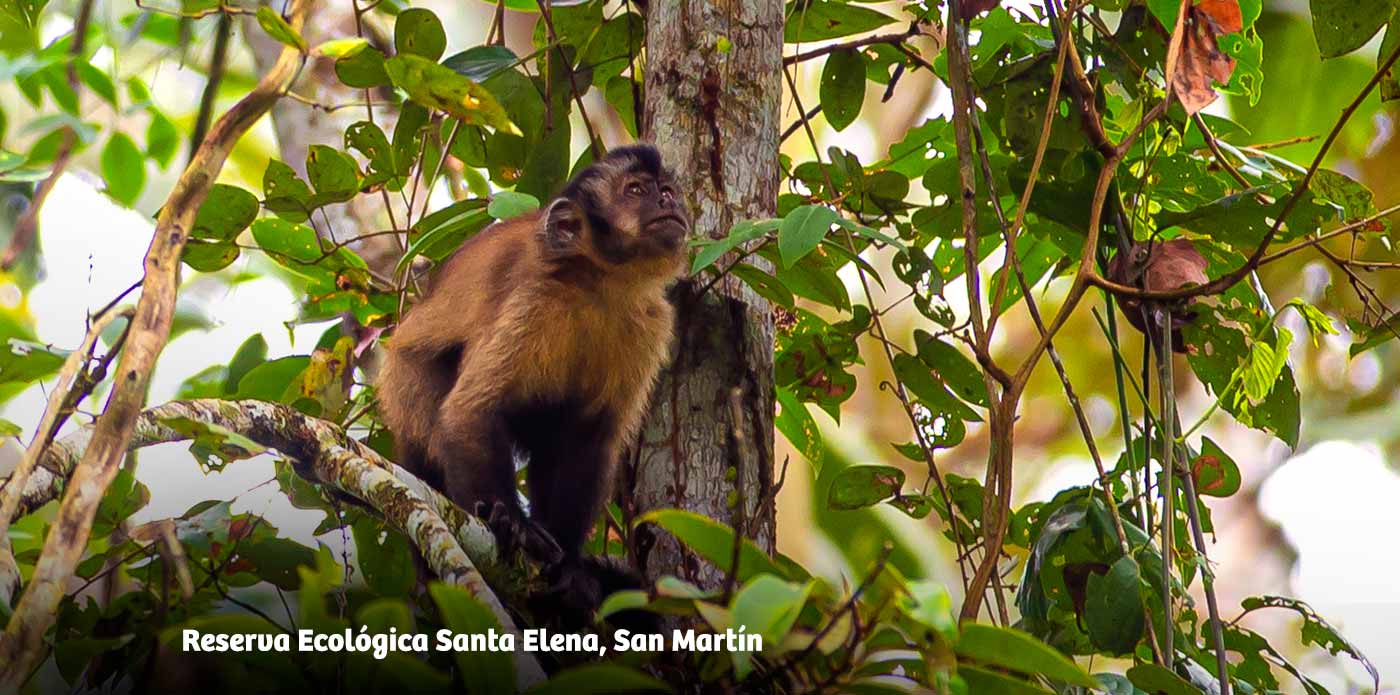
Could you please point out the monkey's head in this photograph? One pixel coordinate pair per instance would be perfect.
(620, 210)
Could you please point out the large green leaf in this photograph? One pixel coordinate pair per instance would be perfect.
(1342, 26)
(480, 671)
(802, 231)
(1018, 651)
(417, 31)
(441, 88)
(1113, 614)
(864, 485)
(842, 92)
(712, 540)
(123, 168)
(226, 211)
(827, 19)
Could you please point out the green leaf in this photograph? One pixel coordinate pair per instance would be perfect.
(123, 168)
(599, 679)
(1020, 652)
(1266, 363)
(1215, 472)
(226, 211)
(275, 560)
(209, 256)
(842, 92)
(1370, 336)
(384, 166)
(292, 245)
(826, 19)
(97, 81)
(479, 63)
(1315, 630)
(162, 139)
(483, 671)
(9, 429)
(1342, 26)
(802, 231)
(711, 540)
(507, 204)
(743, 231)
(767, 286)
(1390, 83)
(362, 68)
(268, 381)
(440, 88)
(864, 485)
(284, 193)
(1113, 614)
(332, 173)
(249, 355)
(767, 606)
(957, 371)
(1319, 324)
(797, 425)
(340, 48)
(279, 29)
(418, 31)
(384, 556)
(614, 45)
(981, 681)
(439, 234)
(1155, 679)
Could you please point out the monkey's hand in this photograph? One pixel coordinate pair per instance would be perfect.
(515, 532)
(577, 588)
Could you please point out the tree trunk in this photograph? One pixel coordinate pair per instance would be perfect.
(714, 114)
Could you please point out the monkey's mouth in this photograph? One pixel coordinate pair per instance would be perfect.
(675, 220)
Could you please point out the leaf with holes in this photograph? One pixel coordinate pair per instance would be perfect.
(842, 92)
(438, 87)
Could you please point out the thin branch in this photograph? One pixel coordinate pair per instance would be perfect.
(55, 413)
(896, 38)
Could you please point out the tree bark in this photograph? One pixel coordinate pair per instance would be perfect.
(714, 114)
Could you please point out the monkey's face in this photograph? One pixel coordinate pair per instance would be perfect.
(651, 214)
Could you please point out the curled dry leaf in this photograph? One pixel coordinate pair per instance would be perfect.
(1159, 267)
(1202, 62)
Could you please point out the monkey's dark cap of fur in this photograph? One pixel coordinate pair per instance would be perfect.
(641, 158)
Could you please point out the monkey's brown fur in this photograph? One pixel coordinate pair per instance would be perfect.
(542, 336)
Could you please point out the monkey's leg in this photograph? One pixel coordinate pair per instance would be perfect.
(569, 476)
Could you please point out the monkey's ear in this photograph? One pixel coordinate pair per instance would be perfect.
(563, 229)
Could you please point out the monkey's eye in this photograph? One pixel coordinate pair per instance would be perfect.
(635, 189)
(668, 193)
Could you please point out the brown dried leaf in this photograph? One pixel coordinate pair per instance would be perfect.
(1202, 62)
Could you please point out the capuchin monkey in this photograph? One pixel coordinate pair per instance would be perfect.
(542, 338)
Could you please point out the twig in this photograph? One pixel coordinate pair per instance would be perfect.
(892, 38)
(1207, 582)
(218, 62)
